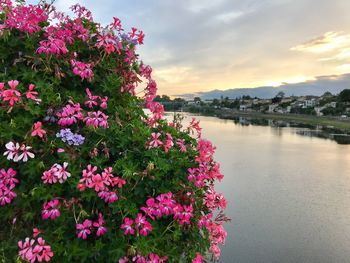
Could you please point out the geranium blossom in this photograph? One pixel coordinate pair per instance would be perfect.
(97, 119)
(18, 153)
(84, 229)
(8, 182)
(38, 130)
(99, 225)
(12, 95)
(50, 210)
(32, 95)
(57, 173)
(52, 46)
(128, 226)
(154, 141)
(82, 69)
(70, 114)
(198, 258)
(33, 250)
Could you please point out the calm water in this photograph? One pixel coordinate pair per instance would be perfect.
(289, 195)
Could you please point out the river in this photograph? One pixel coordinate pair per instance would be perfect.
(288, 195)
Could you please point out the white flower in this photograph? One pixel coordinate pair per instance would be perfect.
(12, 151)
(25, 154)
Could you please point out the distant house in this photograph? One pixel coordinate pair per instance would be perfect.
(333, 104)
(192, 102)
(272, 107)
(319, 110)
(245, 107)
(308, 103)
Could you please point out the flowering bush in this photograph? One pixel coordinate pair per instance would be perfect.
(85, 174)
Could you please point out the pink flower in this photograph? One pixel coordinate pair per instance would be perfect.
(194, 125)
(57, 173)
(86, 180)
(32, 250)
(25, 154)
(124, 260)
(84, 229)
(82, 69)
(97, 182)
(38, 130)
(50, 210)
(108, 197)
(52, 46)
(155, 140)
(8, 182)
(18, 153)
(32, 95)
(99, 224)
(168, 143)
(92, 99)
(198, 258)
(26, 18)
(142, 225)
(97, 119)
(12, 96)
(70, 114)
(154, 258)
(37, 232)
(181, 144)
(127, 226)
(12, 150)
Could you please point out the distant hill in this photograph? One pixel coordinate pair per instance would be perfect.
(317, 87)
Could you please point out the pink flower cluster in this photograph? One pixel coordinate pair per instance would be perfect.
(52, 46)
(143, 227)
(198, 258)
(82, 69)
(96, 119)
(194, 126)
(109, 42)
(84, 229)
(12, 95)
(101, 183)
(33, 250)
(208, 170)
(212, 200)
(94, 100)
(25, 18)
(151, 258)
(38, 130)
(138, 35)
(155, 142)
(57, 173)
(217, 235)
(8, 182)
(165, 205)
(18, 152)
(50, 210)
(70, 114)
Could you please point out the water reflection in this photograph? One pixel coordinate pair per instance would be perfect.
(289, 195)
(304, 130)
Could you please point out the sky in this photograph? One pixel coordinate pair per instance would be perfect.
(202, 45)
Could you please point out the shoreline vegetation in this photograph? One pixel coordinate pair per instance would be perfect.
(327, 121)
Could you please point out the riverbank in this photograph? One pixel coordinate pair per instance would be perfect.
(333, 122)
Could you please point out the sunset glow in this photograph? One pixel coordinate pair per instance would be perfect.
(228, 44)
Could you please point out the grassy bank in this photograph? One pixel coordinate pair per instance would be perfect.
(304, 119)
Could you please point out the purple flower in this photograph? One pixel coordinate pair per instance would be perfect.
(70, 138)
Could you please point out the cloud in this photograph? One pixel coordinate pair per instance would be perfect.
(328, 42)
(202, 45)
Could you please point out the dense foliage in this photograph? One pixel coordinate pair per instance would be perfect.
(85, 174)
